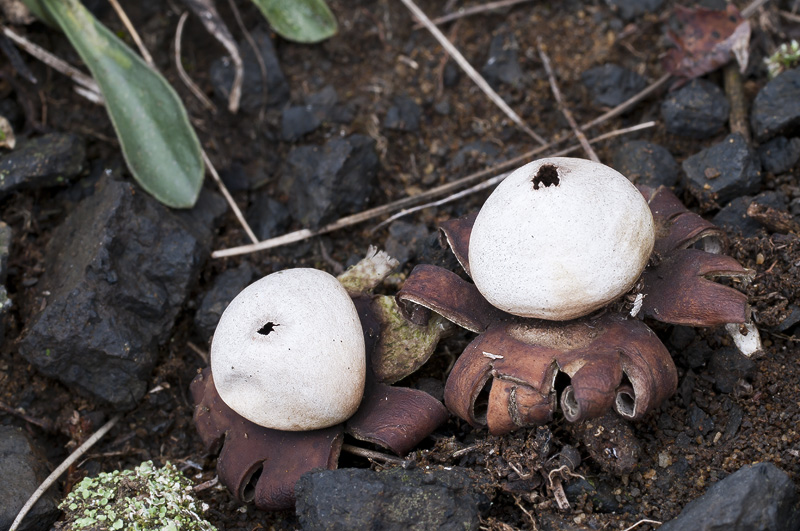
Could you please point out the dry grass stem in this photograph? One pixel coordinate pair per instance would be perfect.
(252, 43)
(229, 198)
(134, 34)
(373, 455)
(643, 521)
(191, 85)
(474, 10)
(563, 106)
(206, 11)
(54, 62)
(60, 469)
(470, 71)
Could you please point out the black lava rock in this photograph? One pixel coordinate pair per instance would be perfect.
(225, 287)
(728, 366)
(759, 496)
(404, 115)
(267, 217)
(776, 109)
(481, 150)
(325, 182)
(326, 107)
(49, 160)
(23, 468)
(222, 72)
(780, 154)
(612, 84)
(5, 302)
(502, 65)
(646, 163)
(405, 240)
(389, 500)
(600, 493)
(699, 420)
(297, 121)
(629, 9)
(724, 171)
(118, 270)
(697, 110)
(733, 217)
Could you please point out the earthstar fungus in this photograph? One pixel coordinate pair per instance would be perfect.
(586, 360)
(261, 464)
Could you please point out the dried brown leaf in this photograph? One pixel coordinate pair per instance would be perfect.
(707, 40)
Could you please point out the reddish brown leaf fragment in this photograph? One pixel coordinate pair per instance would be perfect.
(707, 40)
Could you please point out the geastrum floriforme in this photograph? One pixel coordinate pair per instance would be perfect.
(300, 358)
(567, 257)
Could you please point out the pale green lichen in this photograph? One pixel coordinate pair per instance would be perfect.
(145, 498)
(786, 57)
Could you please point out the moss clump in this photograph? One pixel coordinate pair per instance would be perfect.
(145, 498)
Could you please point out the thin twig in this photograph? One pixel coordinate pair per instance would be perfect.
(259, 59)
(206, 11)
(197, 350)
(789, 16)
(642, 521)
(229, 198)
(562, 105)
(60, 469)
(354, 219)
(372, 454)
(474, 10)
(45, 424)
(471, 72)
(199, 94)
(132, 30)
(751, 8)
(53, 62)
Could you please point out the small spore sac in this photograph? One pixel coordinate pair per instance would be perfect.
(267, 328)
(546, 176)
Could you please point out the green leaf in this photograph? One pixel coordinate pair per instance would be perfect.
(299, 20)
(158, 142)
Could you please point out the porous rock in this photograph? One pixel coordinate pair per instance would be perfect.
(776, 109)
(404, 115)
(502, 66)
(728, 366)
(733, 216)
(23, 468)
(405, 240)
(225, 287)
(297, 121)
(395, 499)
(759, 496)
(780, 154)
(724, 171)
(118, 270)
(49, 160)
(697, 110)
(266, 216)
(325, 182)
(277, 90)
(646, 163)
(610, 84)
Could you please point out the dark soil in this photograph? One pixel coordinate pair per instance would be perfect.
(375, 58)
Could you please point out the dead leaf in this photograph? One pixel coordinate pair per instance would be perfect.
(707, 40)
(7, 139)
